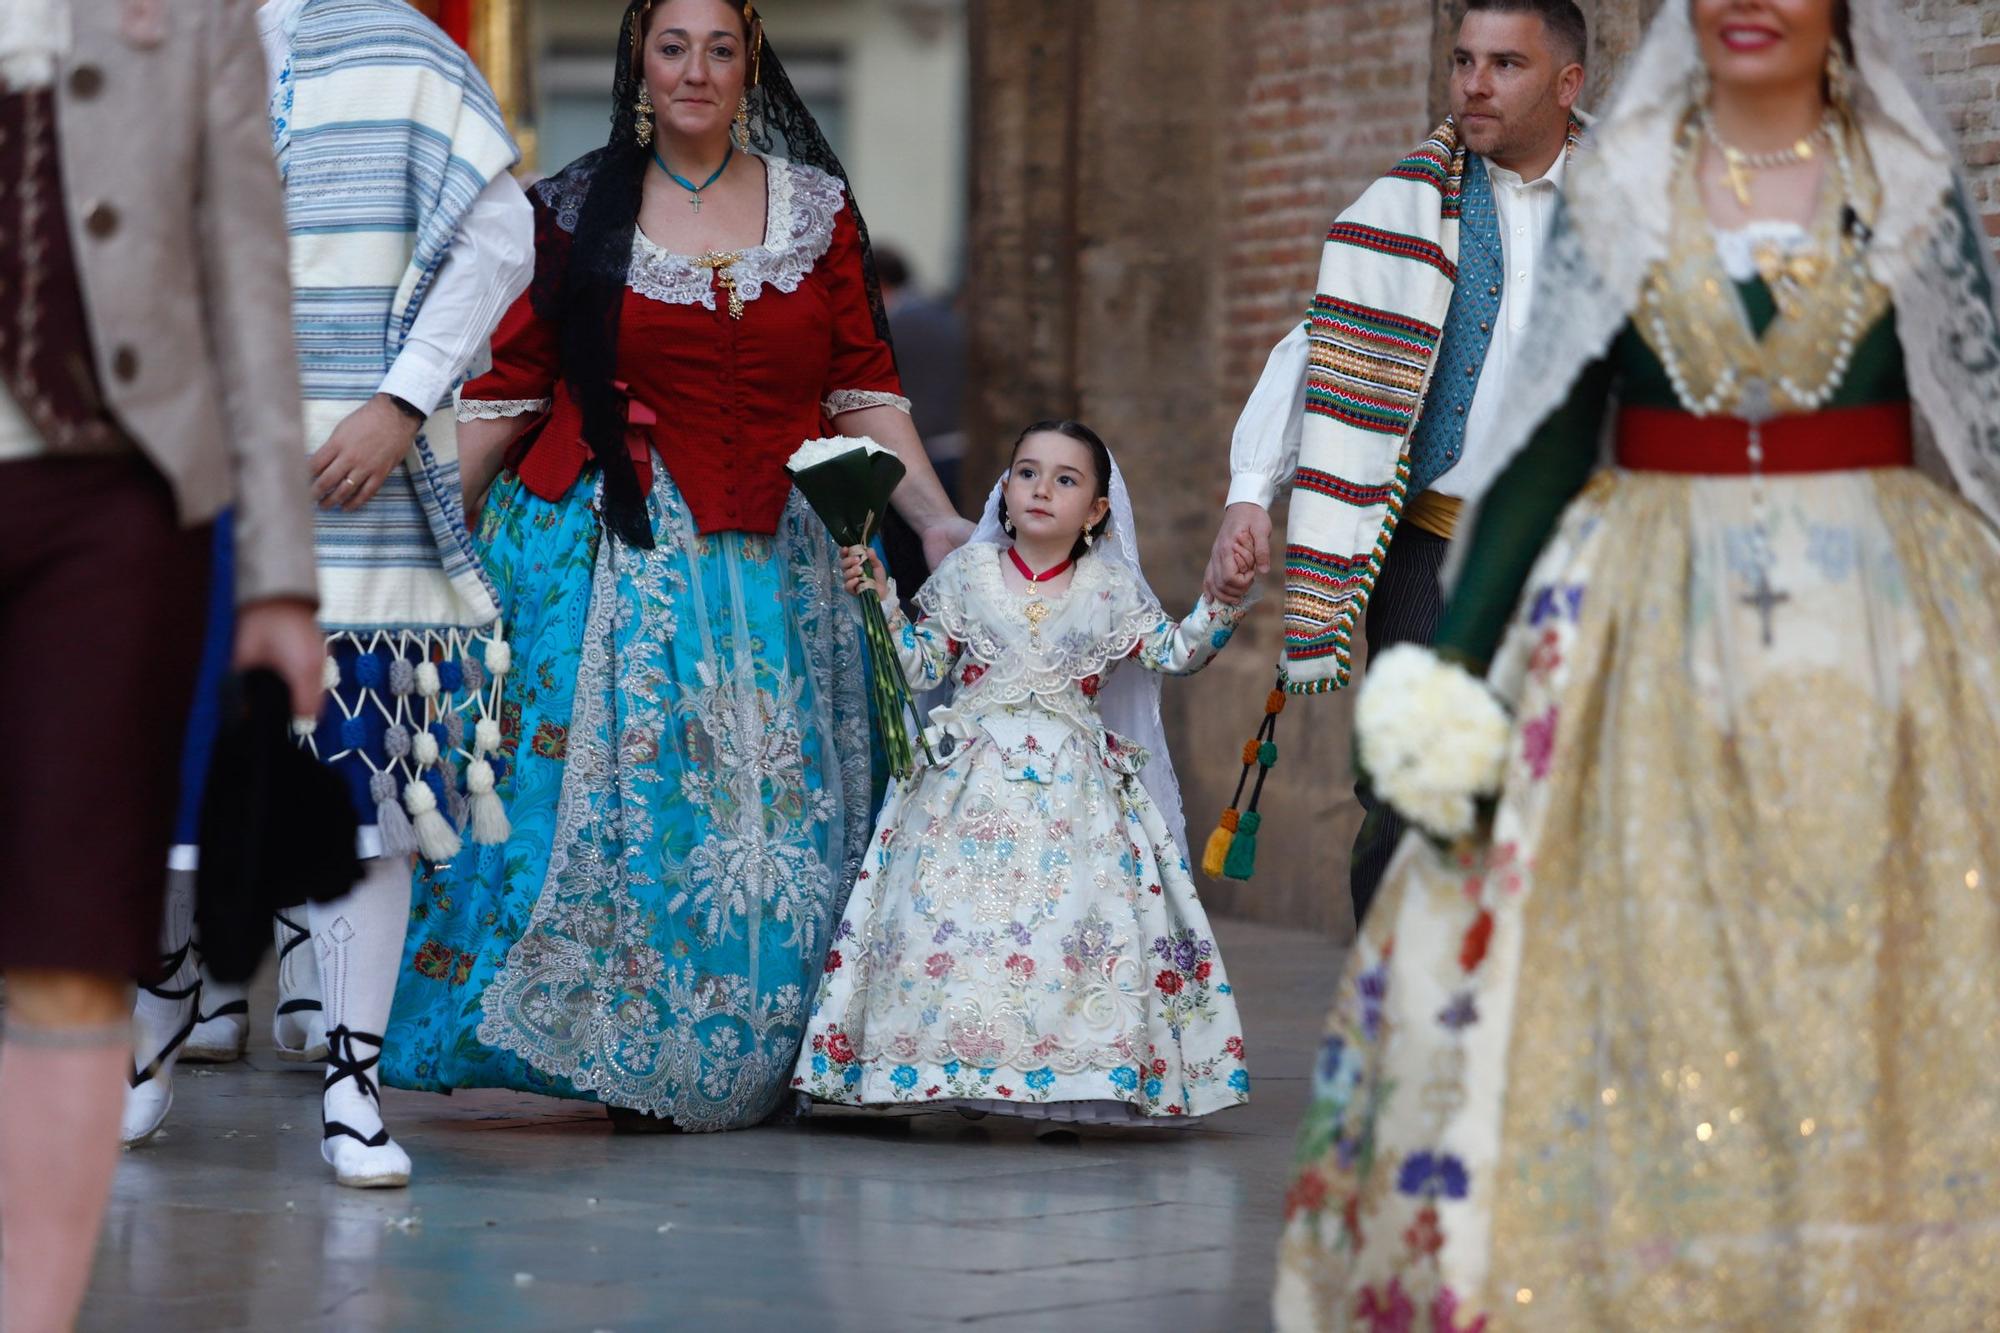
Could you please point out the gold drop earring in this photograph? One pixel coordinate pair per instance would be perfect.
(1839, 77)
(644, 108)
(741, 130)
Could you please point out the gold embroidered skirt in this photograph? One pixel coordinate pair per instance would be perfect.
(1707, 1034)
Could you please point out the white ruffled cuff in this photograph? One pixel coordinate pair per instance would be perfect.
(856, 400)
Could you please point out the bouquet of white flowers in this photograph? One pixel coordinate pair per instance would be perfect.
(848, 480)
(1430, 738)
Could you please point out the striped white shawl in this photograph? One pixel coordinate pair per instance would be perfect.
(385, 134)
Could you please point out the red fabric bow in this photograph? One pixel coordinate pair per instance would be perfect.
(549, 458)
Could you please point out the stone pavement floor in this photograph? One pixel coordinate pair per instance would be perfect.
(526, 1213)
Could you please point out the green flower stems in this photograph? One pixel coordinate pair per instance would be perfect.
(890, 689)
(850, 491)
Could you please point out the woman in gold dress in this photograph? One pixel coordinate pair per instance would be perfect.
(1698, 1028)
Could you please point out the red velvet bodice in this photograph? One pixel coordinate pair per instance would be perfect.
(730, 398)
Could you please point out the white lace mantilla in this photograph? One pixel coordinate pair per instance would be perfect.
(798, 230)
(494, 409)
(857, 400)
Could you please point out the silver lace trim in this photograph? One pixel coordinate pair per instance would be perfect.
(493, 409)
(855, 400)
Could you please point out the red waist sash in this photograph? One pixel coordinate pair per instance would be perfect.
(1840, 439)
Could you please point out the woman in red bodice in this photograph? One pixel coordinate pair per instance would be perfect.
(685, 738)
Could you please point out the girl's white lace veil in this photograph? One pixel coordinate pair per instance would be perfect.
(1613, 227)
(1129, 703)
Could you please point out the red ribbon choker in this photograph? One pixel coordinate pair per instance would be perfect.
(1029, 574)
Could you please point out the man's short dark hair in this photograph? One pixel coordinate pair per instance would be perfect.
(1568, 32)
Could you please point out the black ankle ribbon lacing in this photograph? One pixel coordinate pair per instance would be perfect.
(344, 1060)
(169, 965)
(299, 937)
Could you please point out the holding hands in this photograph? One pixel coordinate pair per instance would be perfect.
(861, 568)
(1242, 553)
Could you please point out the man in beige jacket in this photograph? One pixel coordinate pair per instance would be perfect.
(147, 382)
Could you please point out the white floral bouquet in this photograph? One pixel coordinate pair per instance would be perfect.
(848, 480)
(1431, 739)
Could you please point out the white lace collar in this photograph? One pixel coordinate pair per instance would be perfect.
(801, 205)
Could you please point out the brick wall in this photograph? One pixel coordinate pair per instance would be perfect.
(1335, 93)
(1958, 44)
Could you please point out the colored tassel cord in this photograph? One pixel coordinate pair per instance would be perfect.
(1231, 851)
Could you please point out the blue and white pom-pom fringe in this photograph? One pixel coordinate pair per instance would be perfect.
(423, 687)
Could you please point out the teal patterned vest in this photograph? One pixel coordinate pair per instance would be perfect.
(1439, 439)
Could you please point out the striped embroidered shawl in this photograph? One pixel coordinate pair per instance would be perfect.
(385, 134)
(1385, 285)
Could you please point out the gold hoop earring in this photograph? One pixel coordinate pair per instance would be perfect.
(644, 108)
(741, 130)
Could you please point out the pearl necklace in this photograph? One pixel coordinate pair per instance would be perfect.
(1754, 399)
(1739, 164)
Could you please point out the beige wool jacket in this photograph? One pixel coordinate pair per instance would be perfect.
(178, 226)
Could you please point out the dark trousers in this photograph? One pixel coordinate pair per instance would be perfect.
(102, 601)
(1406, 606)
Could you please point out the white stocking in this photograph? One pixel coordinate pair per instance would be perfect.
(162, 1016)
(298, 1025)
(359, 941)
(224, 1021)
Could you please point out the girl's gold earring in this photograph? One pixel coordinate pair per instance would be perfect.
(644, 108)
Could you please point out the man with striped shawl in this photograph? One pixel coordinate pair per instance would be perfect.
(409, 239)
(1376, 411)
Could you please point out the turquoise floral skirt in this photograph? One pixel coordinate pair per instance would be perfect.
(688, 775)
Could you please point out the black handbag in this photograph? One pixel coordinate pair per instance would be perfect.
(277, 829)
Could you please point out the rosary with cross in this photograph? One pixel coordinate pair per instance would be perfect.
(1765, 599)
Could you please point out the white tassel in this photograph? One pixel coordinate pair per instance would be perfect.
(391, 824)
(499, 657)
(486, 737)
(427, 679)
(329, 675)
(424, 749)
(435, 838)
(489, 818)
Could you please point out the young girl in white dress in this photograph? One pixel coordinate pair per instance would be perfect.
(1024, 934)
